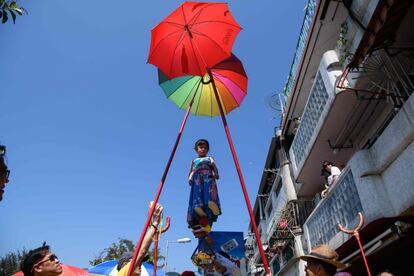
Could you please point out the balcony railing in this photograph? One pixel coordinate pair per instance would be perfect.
(279, 200)
(341, 205)
(301, 210)
(321, 96)
(300, 46)
(313, 111)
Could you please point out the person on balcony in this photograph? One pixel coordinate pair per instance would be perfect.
(331, 174)
(333, 171)
(322, 261)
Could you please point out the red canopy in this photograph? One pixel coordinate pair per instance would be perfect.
(195, 36)
(67, 271)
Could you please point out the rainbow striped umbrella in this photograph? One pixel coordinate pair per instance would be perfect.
(231, 82)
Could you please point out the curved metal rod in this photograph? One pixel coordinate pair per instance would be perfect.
(355, 233)
(167, 225)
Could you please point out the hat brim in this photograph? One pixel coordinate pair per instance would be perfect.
(336, 264)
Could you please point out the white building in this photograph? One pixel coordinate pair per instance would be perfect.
(351, 85)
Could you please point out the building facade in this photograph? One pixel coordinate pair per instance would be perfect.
(349, 101)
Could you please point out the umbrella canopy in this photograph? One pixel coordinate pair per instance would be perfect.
(67, 271)
(229, 77)
(109, 268)
(105, 268)
(195, 36)
(150, 269)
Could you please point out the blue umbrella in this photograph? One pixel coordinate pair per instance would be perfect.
(105, 268)
(150, 269)
(109, 268)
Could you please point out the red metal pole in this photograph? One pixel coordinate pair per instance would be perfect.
(236, 162)
(160, 186)
(356, 234)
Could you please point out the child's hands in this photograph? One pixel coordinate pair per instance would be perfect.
(189, 181)
(216, 176)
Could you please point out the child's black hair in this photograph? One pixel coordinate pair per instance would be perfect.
(202, 142)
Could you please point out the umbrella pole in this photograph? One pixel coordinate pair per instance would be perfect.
(236, 162)
(355, 233)
(160, 186)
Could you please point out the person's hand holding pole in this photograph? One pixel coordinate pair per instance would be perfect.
(156, 218)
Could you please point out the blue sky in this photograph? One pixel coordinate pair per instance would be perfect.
(89, 131)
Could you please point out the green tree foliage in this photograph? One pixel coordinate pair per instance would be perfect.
(10, 263)
(117, 249)
(160, 258)
(10, 8)
(114, 251)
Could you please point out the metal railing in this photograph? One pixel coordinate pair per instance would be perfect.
(315, 106)
(300, 46)
(342, 204)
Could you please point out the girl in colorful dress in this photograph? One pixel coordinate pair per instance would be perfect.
(204, 204)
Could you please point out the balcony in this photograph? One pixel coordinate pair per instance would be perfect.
(319, 33)
(340, 206)
(336, 123)
(326, 111)
(277, 201)
(300, 46)
(376, 181)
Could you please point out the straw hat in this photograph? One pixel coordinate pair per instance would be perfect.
(323, 253)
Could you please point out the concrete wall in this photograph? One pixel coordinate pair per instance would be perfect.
(385, 173)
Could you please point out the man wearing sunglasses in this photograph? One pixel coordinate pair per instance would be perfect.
(41, 262)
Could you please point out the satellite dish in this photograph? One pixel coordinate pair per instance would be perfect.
(275, 102)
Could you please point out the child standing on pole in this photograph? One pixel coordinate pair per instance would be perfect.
(204, 204)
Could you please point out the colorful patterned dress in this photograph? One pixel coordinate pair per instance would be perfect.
(203, 193)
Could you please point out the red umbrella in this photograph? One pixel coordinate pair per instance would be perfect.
(67, 271)
(195, 36)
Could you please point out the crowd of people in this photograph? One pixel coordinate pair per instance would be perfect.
(42, 261)
(321, 261)
(203, 210)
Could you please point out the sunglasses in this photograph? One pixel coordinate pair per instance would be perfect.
(51, 258)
